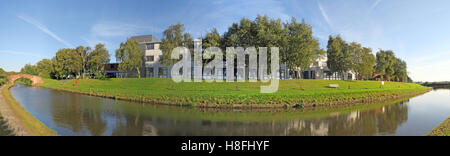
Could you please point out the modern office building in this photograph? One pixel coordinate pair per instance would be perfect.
(153, 65)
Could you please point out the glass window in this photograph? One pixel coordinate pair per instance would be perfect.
(150, 46)
(151, 58)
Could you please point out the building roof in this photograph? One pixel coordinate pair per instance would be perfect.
(146, 39)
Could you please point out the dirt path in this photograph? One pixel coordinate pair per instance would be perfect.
(14, 123)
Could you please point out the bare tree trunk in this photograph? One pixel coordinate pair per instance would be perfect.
(138, 72)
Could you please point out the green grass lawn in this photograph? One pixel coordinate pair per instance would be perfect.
(291, 92)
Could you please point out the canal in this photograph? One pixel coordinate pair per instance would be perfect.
(80, 115)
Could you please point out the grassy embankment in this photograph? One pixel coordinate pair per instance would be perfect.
(307, 93)
(33, 126)
(442, 130)
(4, 131)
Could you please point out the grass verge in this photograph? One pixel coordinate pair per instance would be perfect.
(307, 93)
(33, 126)
(442, 130)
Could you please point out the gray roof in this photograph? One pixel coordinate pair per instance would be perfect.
(146, 39)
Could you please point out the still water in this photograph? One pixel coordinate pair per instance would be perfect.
(75, 114)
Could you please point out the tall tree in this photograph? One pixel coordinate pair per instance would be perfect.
(385, 64)
(366, 69)
(2, 72)
(44, 68)
(84, 55)
(174, 37)
(339, 58)
(302, 48)
(363, 61)
(131, 56)
(400, 68)
(212, 39)
(97, 58)
(66, 63)
(29, 69)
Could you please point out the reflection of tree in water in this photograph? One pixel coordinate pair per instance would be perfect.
(391, 118)
(75, 113)
(92, 118)
(92, 115)
(384, 120)
(66, 111)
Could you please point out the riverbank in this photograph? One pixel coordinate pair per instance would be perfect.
(4, 131)
(442, 130)
(300, 93)
(19, 121)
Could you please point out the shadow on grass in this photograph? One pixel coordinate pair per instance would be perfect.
(4, 131)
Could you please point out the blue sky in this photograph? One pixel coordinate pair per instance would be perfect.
(417, 30)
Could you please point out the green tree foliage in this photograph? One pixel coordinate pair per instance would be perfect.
(2, 72)
(339, 58)
(44, 68)
(97, 58)
(29, 69)
(131, 56)
(363, 61)
(298, 48)
(386, 61)
(401, 73)
(302, 49)
(174, 37)
(66, 63)
(212, 39)
(84, 53)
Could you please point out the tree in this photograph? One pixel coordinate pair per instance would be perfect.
(385, 64)
(65, 63)
(400, 71)
(84, 53)
(363, 61)
(174, 37)
(97, 58)
(44, 68)
(131, 56)
(366, 68)
(29, 69)
(339, 59)
(302, 48)
(212, 39)
(2, 72)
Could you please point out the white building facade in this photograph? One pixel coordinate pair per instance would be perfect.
(154, 68)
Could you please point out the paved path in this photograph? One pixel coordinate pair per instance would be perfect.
(14, 123)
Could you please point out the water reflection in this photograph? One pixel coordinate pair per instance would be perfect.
(75, 114)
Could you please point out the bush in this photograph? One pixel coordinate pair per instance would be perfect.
(24, 81)
(100, 75)
(3, 80)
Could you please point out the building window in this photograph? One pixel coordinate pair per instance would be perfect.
(150, 72)
(151, 58)
(150, 46)
(161, 59)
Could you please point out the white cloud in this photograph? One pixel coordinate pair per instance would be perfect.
(325, 15)
(118, 29)
(11, 52)
(374, 5)
(44, 29)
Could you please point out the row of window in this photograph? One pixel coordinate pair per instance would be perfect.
(150, 46)
(151, 58)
